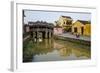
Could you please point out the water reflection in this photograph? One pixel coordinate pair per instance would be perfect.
(54, 50)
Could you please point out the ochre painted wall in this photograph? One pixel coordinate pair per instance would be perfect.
(86, 28)
(63, 21)
(77, 25)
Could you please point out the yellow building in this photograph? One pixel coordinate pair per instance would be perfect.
(82, 28)
(65, 22)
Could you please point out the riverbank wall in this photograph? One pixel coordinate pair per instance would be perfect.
(79, 41)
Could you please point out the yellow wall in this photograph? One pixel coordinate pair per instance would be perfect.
(63, 20)
(65, 23)
(86, 30)
(78, 25)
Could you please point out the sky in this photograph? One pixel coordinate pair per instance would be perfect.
(51, 16)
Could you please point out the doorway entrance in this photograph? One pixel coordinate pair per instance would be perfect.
(82, 30)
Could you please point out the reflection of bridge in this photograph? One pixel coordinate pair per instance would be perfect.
(41, 29)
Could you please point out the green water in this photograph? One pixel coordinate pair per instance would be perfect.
(54, 50)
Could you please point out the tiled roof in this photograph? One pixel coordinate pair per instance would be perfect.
(67, 17)
(84, 22)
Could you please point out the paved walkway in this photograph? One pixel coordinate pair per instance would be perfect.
(69, 35)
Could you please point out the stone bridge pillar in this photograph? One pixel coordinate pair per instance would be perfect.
(46, 34)
(34, 35)
(37, 34)
(49, 34)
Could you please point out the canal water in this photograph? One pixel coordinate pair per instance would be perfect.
(55, 50)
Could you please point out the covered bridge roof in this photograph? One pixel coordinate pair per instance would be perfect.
(41, 24)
